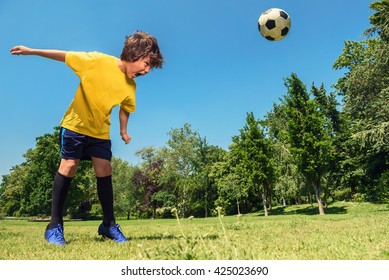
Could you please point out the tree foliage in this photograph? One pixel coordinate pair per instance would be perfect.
(27, 187)
(365, 90)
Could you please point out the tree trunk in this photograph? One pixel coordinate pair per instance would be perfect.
(310, 199)
(318, 198)
(325, 200)
(154, 212)
(320, 205)
(264, 203)
(270, 204)
(265, 209)
(206, 205)
(299, 201)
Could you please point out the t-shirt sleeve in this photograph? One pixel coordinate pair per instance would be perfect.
(80, 61)
(128, 105)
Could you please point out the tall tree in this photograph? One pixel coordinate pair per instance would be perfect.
(256, 162)
(180, 159)
(126, 195)
(11, 188)
(379, 20)
(310, 142)
(365, 90)
(148, 177)
(232, 189)
(288, 179)
(204, 193)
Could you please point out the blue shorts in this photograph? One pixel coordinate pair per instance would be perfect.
(79, 146)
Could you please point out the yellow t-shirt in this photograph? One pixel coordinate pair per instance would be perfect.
(102, 87)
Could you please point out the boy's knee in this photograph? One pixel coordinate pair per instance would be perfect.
(102, 167)
(68, 167)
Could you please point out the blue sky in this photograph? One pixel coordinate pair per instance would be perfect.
(218, 67)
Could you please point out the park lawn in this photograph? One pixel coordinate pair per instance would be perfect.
(349, 231)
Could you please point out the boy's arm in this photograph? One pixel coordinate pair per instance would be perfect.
(123, 119)
(52, 54)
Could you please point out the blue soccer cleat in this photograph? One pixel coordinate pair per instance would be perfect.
(113, 233)
(55, 235)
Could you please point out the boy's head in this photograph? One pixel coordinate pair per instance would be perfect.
(140, 45)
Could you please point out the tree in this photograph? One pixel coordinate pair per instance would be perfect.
(231, 188)
(365, 90)
(31, 181)
(204, 192)
(288, 180)
(255, 163)
(126, 196)
(43, 164)
(11, 190)
(180, 159)
(148, 177)
(310, 142)
(379, 20)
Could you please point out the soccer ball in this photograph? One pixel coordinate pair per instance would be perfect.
(274, 24)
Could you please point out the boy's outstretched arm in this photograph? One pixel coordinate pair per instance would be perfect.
(52, 54)
(123, 119)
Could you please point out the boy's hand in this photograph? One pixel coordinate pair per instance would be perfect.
(21, 50)
(126, 138)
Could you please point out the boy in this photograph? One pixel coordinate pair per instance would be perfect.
(105, 82)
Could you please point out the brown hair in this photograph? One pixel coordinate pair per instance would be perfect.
(139, 45)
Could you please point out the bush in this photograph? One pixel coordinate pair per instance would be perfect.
(359, 197)
(164, 212)
(96, 210)
(342, 194)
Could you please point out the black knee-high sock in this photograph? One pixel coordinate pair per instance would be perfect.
(61, 187)
(105, 194)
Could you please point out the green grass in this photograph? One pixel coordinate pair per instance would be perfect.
(350, 231)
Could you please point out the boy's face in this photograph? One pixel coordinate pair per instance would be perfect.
(137, 68)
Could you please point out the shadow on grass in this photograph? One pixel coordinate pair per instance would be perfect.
(307, 210)
(47, 220)
(161, 237)
(171, 237)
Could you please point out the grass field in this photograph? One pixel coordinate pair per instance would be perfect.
(349, 231)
